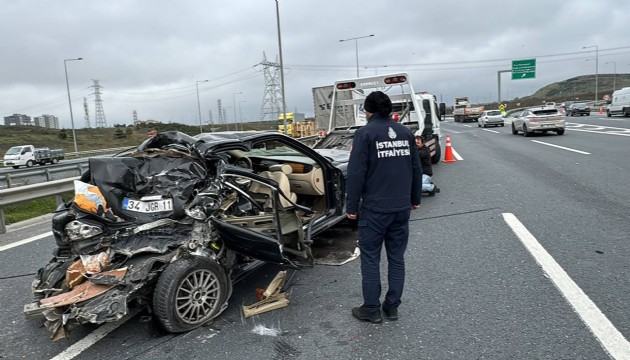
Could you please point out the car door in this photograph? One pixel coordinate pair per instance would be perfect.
(264, 230)
(279, 233)
(516, 120)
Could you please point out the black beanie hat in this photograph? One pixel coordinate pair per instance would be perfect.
(377, 101)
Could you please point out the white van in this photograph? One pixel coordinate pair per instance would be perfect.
(620, 104)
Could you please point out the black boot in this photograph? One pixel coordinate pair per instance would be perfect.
(364, 314)
(434, 191)
(391, 313)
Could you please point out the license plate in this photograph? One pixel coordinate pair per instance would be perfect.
(147, 206)
(548, 125)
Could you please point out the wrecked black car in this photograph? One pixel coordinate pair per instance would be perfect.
(171, 223)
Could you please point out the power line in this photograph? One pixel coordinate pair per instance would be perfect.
(297, 66)
(183, 88)
(247, 77)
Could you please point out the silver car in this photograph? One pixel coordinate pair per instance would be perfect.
(539, 119)
(490, 117)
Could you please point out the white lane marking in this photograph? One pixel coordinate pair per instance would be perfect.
(456, 154)
(25, 241)
(610, 338)
(466, 125)
(562, 147)
(622, 133)
(612, 119)
(597, 126)
(92, 338)
(492, 131)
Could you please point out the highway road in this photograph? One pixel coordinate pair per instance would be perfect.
(523, 255)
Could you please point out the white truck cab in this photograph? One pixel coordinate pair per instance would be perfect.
(416, 110)
(28, 155)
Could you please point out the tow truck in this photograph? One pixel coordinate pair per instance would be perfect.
(416, 110)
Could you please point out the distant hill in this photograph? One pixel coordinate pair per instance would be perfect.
(579, 88)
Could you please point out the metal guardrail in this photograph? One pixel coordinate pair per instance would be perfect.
(36, 175)
(29, 175)
(30, 192)
(89, 153)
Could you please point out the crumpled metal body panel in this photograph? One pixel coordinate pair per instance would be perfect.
(158, 241)
(82, 292)
(164, 173)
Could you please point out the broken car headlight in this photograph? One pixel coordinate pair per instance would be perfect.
(77, 230)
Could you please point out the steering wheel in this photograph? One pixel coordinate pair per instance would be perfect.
(243, 162)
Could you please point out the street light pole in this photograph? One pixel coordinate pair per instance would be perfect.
(240, 114)
(74, 136)
(614, 74)
(234, 104)
(199, 105)
(356, 47)
(596, 66)
(284, 104)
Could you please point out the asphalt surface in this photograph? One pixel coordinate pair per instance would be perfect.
(473, 290)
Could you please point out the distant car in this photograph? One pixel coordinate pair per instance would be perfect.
(539, 119)
(491, 117)
(578, 109)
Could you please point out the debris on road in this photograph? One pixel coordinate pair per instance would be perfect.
(272, 298)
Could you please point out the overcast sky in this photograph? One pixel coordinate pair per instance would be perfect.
(148, 55)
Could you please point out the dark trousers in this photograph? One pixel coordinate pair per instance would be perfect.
(374, 229)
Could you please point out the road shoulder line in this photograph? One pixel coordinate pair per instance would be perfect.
(610, 338)
(25, 241)
(92, 338)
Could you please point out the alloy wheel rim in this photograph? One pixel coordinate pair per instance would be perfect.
(197, 296)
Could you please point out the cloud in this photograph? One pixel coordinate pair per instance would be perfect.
(148, 55)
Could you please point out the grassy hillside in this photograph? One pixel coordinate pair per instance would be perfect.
(579, 88)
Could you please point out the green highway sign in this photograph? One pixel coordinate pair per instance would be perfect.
(523, 69)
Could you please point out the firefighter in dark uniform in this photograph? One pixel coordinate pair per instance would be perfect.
(385, 176)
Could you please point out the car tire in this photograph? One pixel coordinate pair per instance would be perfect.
(485, 125)
(435, 159)
(29, 163)
(478, 125)
(54, 160)
(608, 113)
(525, 132)
(560, 131)
(502, 125)
(514, 131)
(180, 303)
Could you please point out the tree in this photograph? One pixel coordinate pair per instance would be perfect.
(62, 134)
(119, 134)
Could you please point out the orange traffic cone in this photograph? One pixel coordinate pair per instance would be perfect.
(448, 153)
(601, 110)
